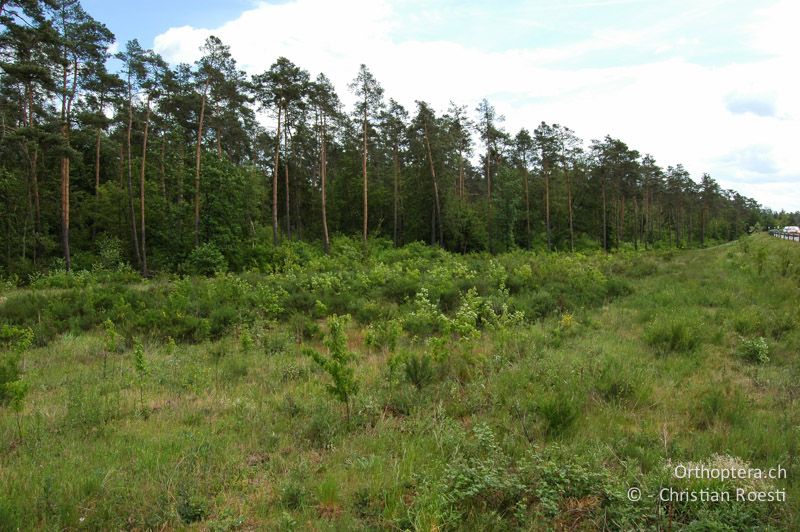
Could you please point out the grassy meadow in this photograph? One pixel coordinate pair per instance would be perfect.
(403, 389)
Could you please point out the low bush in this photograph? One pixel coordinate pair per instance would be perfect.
(754, 350)
(615, 383)
(558, 412)
(13, 342)
(205, 259)
(384, 335)
(418, 369)
(673, 336)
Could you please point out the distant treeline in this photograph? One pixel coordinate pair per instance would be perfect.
(161, 160)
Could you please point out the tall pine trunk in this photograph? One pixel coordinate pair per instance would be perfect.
(526, 190)
(323, 173)
(286, 173)
(364, 174)
(162, 169)
(488, 196)
(605, 211)
(142, 187)
(197, 166)
(547, 207)
(134, 231)
(34, 160)
(396, 172)
(437, 205)
(568, 178)
(66, 112)
(275, 180)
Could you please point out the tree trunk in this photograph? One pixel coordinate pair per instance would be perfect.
(286, 173)
(569, 208)
(36, 204)
(65, 210)
(437, 205)
(142, 187)
(96, 176)
(34, 173)
(297, 196)
(364, 174)
(197, 166)
(64, 176)
(527, 203)
(162, 169)
(97, 163)
(134, 231)
(460, 172)
(323, 172)
(488, 196)
(396, 171)
(636, 222)
(547, 207)
(66, 112)
(275, 180)
(703, 226)
(121, 174)
(605, 213)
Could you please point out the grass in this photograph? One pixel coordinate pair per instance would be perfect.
(535, 424)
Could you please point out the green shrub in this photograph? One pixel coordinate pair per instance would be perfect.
(337, 364)
(781, 323)
(205, 259)
(482, 479)
(718, 404)
(558, 412)
(614, 383)
(749, 321)
(89, 408)
(245, 341)
(673, 336)
(191, 508)
(425, 319)
(384, 335)
(233, 369)
(13, 342)
(293, 495)
(276, 343)
(556, 476)
(536, 304)
(616, 287)
(399, 401)
(418, 370)
(109, 252)
(321, 430)
(754, 350)
(304, 328)
(16, 391)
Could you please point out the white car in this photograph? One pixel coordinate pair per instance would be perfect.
(791, 230)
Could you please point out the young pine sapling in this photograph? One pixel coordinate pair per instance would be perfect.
(110, 342)
(16, 391)
(140, 364)
(337, 363)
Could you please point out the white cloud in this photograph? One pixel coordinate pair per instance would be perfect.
(676, 110)
(774, 29)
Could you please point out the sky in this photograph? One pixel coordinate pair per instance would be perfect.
(710, 84)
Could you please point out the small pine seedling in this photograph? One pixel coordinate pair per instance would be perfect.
(246, 341)
(17, 391)
(337, 363)
(140, 364)
(110, 342)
